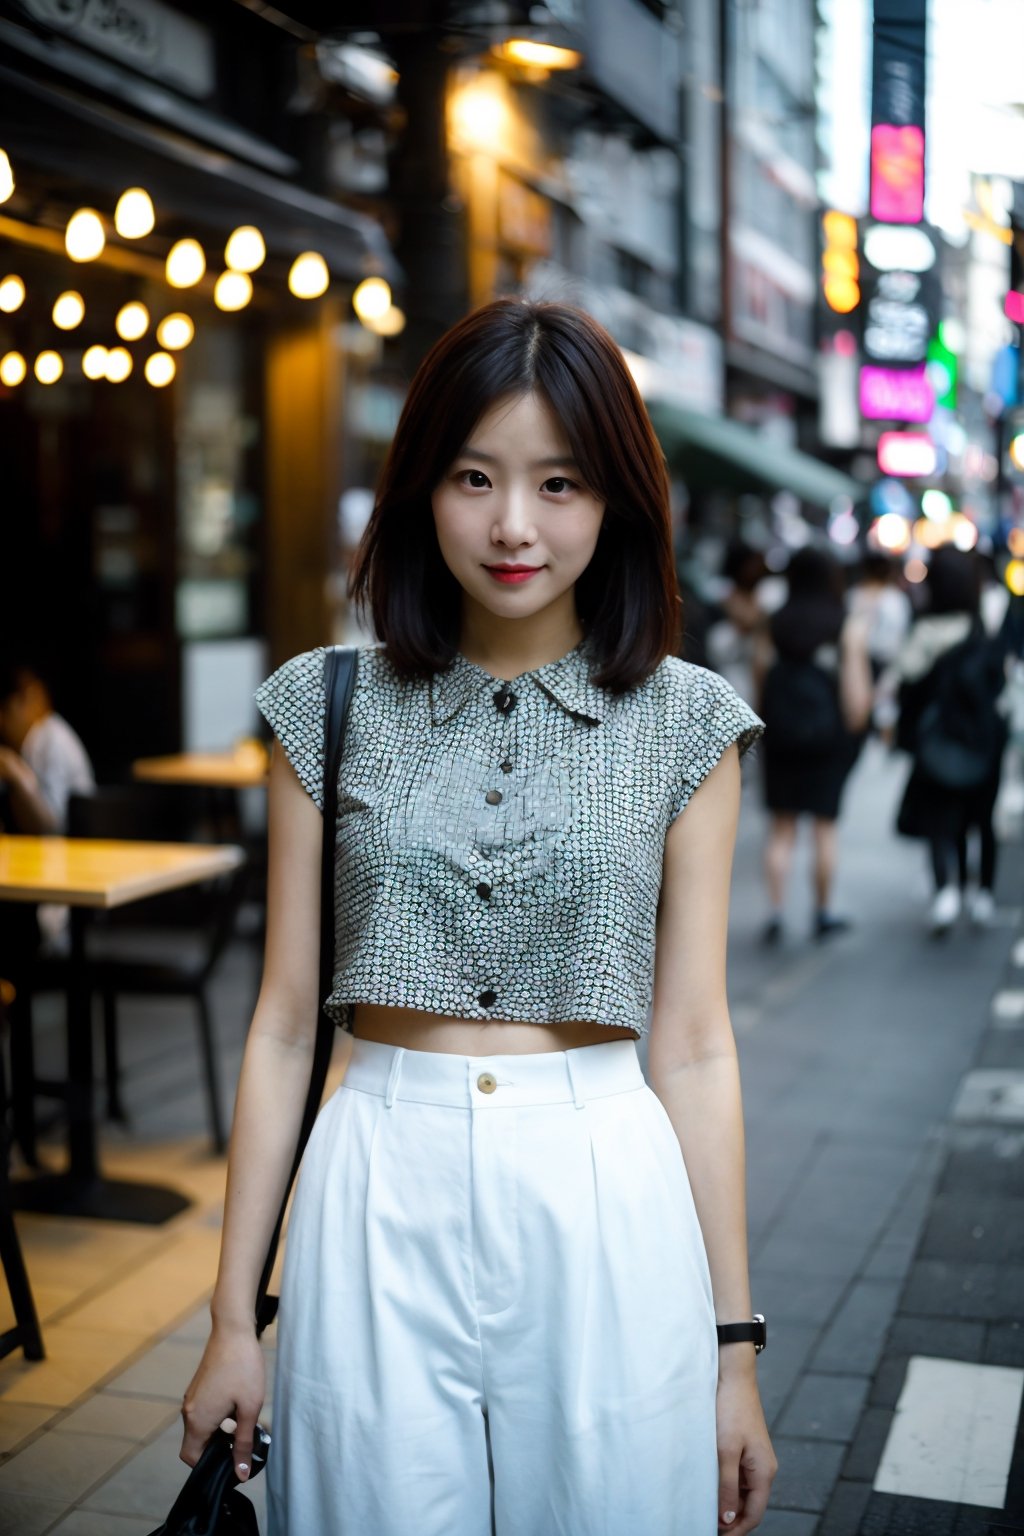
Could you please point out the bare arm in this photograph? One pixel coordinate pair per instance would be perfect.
(30, 808)
(268, 1110)
(856, 686)
(695, 1073)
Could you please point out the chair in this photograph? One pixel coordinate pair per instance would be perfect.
(25, 1333)
(117, 962)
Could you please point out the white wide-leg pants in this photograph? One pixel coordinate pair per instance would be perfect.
(496, 1314)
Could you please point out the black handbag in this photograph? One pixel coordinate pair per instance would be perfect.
(208, 1504)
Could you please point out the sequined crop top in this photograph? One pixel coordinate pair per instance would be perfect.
(500, 846)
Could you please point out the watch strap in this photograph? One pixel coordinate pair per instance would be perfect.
(755, 1332)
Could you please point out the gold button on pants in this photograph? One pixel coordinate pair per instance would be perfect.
(487, 1082)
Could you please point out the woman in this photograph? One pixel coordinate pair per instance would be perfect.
(497, 1309)
(949, 675)
(815, 695)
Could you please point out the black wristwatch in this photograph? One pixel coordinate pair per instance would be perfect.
(755, 1332)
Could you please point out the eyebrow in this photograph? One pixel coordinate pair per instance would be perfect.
(565, 461)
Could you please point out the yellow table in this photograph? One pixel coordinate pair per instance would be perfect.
(245, 767)
(85, 874)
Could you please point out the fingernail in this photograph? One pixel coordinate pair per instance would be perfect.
(243, 1469)
(729, 1516)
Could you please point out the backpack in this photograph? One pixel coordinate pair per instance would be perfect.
(959, 736)
(800, 707)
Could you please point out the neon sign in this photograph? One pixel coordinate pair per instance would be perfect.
(896, 394)
(897, 173)
(906, 454)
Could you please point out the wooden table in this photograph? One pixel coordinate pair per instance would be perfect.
(87, 874)
(246, 767)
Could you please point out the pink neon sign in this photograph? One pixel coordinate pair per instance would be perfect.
(906, 453)
(895, 394)
(897, 174)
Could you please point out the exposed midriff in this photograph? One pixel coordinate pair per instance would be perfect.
(417, 1031)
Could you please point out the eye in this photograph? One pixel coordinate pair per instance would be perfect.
(559, 484)
(473, 479)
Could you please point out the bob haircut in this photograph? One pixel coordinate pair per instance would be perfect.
(954, 581)
(627, 599)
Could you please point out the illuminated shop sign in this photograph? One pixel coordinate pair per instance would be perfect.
(896, 394)
(899, 247)
(906, 454)
(897, 173)
(899, 317)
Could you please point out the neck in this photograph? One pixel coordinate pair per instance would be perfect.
(508, 647)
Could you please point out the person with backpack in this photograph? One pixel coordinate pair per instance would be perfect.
(814, 678)
(950, 675)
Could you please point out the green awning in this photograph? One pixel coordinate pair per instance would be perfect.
(711, 451)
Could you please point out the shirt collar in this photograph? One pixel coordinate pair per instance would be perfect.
(567, 681)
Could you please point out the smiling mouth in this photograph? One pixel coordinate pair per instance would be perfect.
(511, 573)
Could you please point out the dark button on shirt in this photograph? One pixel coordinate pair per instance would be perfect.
(493, 797)
(483, 889)
(487, 999)
(506, 766)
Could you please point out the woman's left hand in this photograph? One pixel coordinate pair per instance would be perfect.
(746, 1461)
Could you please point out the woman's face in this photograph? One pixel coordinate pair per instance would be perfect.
(513, 502)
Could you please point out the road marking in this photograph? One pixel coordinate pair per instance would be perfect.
(953, 1433)
(991, 1094)
(1008, 1008)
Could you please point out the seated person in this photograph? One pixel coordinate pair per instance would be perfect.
(42, 763)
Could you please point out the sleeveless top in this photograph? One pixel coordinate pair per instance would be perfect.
(497, 858)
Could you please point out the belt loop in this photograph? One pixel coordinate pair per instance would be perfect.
(393, 1077)
(577, 1087)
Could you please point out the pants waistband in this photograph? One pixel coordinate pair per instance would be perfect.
(481, 1082)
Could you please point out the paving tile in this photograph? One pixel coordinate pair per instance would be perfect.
(785, 1522)
(89, 1522)
(18, 1421)
(783, 1252)
(77, 1361)
(27, 1516)
(808, 1470)
(853, 1341)
(164, 1371)
(781, 1364)
(108, 1413)
(1004, 1345)
(845, 1509)
(148, 1482)
(972, 1226)
(158, 1292)
(889, 1516)
(865, 1453)
(946, 1337)
(824, 1407)
(790, 1296)
(66, 1466)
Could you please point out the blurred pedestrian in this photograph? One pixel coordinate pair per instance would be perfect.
(884, 609)
(500, 1291)
(814, 681)
(950, 675)
(731, 639)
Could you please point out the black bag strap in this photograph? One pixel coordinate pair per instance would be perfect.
(340, 665)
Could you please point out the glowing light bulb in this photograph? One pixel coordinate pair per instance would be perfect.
(245, 250)
(309, 277)
(159, 369)
(134, 216)
(48, 367)
(119, 364)
(84, 237)
(6, 177)
(186, 264)
(232, 290)
(69, 310)
(13, 369)
(372, 300)
(12, 294)
(391, 322)
(175, 332)
(94, 362)
(132, 321)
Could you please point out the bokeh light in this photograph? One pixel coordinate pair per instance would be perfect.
(159, 369)
(132, 321)
(309, 277)
(246, 249)
(186, 264)
(13, 369)
(12, 294)
(85, 237)
(48, 367)
(69, 310)
(134, 216)
(175, 331)
(232, 290)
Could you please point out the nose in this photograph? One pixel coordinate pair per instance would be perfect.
(513, 521)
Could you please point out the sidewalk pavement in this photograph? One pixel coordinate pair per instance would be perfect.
(852, 1054)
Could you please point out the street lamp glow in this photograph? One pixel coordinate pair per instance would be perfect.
(965, 532)
(936, 505)
(84, 237)
(1014, 575)
(478, 113)
(13, 369)
(132, 321)
(186, 264)
(391, 322)
(159, 369)
(48, 367)
(372, 300)
(69, 310)
(134, 216)
(94, 362)
(892, 533)
(119, 364)
(534, 55)
(232, 290)
(12, 294)
(175, 332)
(6, 177)
(246, 249)
(309, 277)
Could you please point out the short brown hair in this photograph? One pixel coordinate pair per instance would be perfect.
(628, 597)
